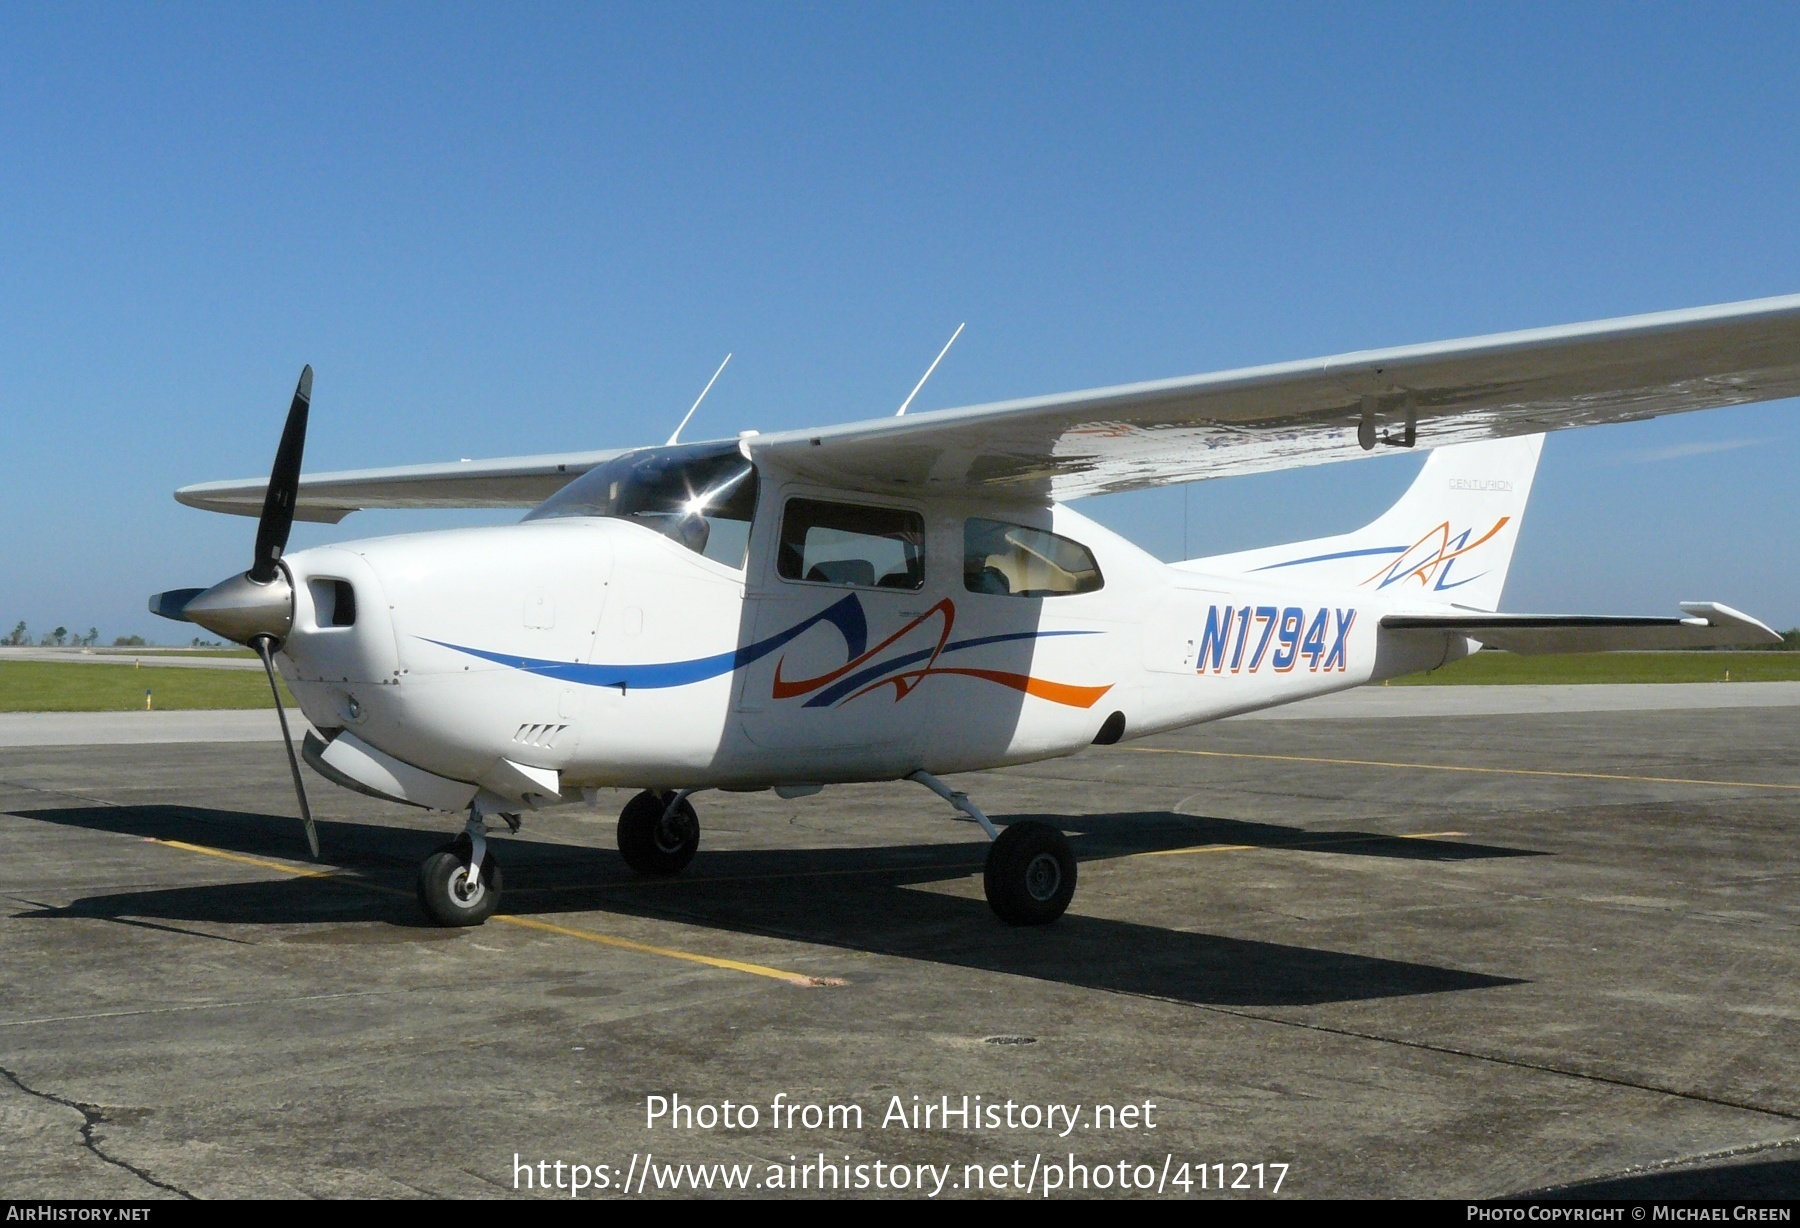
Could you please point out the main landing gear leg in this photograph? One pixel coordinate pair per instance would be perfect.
(1030, 872)
(460, 883)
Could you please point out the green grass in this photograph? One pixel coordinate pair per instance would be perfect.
(1501, 668)
(51, 686)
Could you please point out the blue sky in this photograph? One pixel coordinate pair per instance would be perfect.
(513, 229)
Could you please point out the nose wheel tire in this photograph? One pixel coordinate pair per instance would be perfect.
(655, 840)
(1030, 874)
(448, 894)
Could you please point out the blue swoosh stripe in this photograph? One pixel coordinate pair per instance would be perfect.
(845, 615)
(648, 677)
(979, 641)
(843, 686)
(682, 673)
(855, 682)
(1341, 554)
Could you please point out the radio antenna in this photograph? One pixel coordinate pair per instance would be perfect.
(928, 370)
(675, 438)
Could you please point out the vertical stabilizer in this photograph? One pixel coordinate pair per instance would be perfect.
(1449, 539)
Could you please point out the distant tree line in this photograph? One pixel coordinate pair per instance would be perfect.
(20, 637)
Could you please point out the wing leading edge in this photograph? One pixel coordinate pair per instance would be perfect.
(512, 481)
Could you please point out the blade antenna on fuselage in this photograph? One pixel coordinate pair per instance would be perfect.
(676, 437)
(901, 412)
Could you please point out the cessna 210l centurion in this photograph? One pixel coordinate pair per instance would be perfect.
(909, 597)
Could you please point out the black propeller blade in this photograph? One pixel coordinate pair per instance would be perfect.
(264, 646)
(271, 539)
(284, 488)
(252, 608)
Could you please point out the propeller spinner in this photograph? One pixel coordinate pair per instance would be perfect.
(257, 607)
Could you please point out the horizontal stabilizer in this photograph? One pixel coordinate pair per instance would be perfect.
(1707, 625)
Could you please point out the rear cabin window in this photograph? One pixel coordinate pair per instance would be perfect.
(852, 545)
(1013, 560)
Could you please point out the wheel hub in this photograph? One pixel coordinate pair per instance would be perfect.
(1043, 876)
(674, 830)
(467, 892)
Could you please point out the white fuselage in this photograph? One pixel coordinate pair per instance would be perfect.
(611, 655)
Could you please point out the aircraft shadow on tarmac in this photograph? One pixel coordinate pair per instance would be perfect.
(852, 897)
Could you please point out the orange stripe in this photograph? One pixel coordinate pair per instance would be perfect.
(1497, 526)
(1040, 688)
(1444, 553)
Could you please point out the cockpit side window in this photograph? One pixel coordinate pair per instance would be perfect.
(701, 496)
(851, 544)
(1013, 560)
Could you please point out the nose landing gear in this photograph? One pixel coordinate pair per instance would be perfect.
(460, 883)
(455, 889)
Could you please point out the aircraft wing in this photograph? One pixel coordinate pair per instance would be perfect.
(1202, 426)
(513, 481)
(1304, 413)
(1707, 625)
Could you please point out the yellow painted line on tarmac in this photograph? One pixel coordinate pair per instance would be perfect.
(1450, 767)
(296, 871)
(1202, 848)
(776, 875)
(1301, 845)
(566, 931)
(644, 948)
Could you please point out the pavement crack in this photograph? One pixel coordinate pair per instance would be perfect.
(1516, 1063)
(15, 783)
(485, 1180)
(91, 1117)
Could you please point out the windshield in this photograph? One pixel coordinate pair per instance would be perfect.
(702, 496)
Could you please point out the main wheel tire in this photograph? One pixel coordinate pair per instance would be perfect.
(447, 895)
(1030, 874)
(652, 845)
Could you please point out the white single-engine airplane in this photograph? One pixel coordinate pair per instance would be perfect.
(908, 597)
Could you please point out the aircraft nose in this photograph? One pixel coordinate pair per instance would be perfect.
(342, 623)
